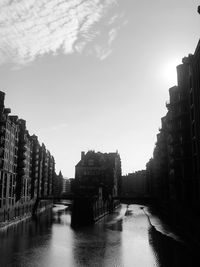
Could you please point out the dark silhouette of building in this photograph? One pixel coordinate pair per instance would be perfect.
(194, 63)
(134, 184)
(97, 182)
(173, 173)
(67, 186)
(98, 170)
(58, 185)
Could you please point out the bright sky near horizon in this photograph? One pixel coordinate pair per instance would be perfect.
(94, 74)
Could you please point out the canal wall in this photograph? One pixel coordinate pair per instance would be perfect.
(21, 211)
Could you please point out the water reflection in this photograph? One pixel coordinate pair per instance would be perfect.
(21, 244)
(126, 238)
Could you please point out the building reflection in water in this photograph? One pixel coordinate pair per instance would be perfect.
(23, 243)
(98, 245)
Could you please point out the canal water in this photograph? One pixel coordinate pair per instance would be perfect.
(131, 237)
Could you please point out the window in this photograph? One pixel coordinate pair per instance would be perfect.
(0, 188)
(5, 185)
(90, 162)
(10, 186)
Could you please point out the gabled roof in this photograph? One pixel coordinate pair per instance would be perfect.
(98, 158)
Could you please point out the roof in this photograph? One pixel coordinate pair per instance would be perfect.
(98, 158)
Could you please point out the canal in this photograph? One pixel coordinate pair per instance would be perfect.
(130, 237)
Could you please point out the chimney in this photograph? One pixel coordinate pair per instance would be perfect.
(22, 124)
(2, 98)
(7, 111)
(14, 118)
(82, 154)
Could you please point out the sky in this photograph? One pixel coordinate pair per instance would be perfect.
(94, 74)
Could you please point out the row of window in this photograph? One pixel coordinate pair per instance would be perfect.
(4, 183)
(11, 201)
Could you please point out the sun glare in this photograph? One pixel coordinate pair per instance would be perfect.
(169, 73)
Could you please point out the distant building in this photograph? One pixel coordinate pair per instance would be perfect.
(134, 184)
(97, 182)
(51, 173)
(66, 186)
(58, 185)
(44, 182)
(99, 170)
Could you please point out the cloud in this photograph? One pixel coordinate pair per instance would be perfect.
(102, 53)
(112, 35)
(30, 29)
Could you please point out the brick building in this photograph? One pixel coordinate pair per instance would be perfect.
(8, 157)
(99, 170)
(27, 169)
(174, 171)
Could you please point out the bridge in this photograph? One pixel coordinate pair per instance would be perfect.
(122, 199)
(72, 197)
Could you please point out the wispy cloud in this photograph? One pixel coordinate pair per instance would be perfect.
(33, 28)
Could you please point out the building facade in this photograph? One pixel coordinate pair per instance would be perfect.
(27, 169)
(8, 159)
(36, 173)
(58, 184)
(97, 182)
(66, 186)
(99, 170)
(24, 164)
(134, 184)
(194, 64)
(174, 171)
